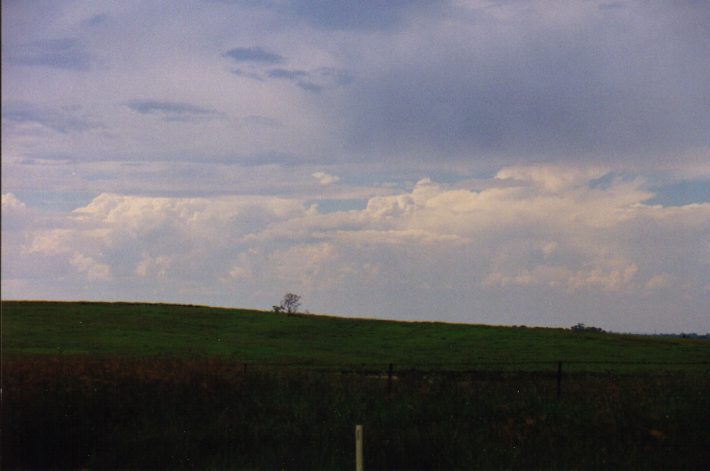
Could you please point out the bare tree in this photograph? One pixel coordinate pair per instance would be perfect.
(290, 303)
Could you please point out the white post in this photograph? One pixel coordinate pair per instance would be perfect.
(358, 448)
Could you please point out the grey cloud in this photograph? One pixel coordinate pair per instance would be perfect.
(55, 53)
(253, 54)
(335, 76)
(246, 74)
(172, 111)
(265, 121)
(370, 16)
(309, 86)
(598, 89)
(64, 120)
(95, 20)
(611, 5)
(287, 74)
(315, 81)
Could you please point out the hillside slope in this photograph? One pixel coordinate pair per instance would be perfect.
(125, 329)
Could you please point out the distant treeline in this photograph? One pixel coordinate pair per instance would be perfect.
(691, 335)
(588, 328)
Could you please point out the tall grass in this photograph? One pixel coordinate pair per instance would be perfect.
(84, 412)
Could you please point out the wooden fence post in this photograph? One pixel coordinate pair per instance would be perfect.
(359, 466)
(559, 379)
(389, 379)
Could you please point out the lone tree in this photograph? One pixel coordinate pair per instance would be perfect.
(290, 303)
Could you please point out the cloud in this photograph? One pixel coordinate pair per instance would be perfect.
(95, 20)
(660, 281)
(547, 236)
(11, 204)
(256, 120)
(253, 55)
(310, 86)
(368, 16)
(153, 266)
(325, 179)
(94, 271)
(172, 111)
(566, 147)
(311, 81)
(287, 74)
(65, 53)
(611, 5)
(301, 78)
(537, 83)
(65, 119)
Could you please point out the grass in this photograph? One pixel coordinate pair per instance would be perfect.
(82, 412)
(116, 385)
(146, 330)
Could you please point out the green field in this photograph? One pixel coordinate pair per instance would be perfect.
(135, 386)
(145, 330)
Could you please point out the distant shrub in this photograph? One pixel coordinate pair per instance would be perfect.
(585, 328)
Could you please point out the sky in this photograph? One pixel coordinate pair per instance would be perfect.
(503, 162)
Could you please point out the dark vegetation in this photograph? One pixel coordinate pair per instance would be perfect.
(586, 328)
(155, 386)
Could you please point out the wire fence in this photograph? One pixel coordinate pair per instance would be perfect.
(501, 366)
(533, 369)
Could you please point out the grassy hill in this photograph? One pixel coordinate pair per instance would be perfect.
(152, 386)
(140, 330)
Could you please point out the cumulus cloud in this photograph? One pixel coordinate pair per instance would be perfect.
(10, 203)
(547, 229)
(566, 147)
(94, 271)
(153, 266)
(325, 178)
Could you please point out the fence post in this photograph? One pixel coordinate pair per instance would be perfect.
(358, 448)
(389, 379)
(559, 379)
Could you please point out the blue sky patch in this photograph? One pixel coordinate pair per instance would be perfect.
(681, 193)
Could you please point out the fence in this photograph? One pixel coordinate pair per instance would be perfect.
(512, 370)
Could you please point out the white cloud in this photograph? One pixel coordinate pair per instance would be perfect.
(549, 178)
(617, 276)
(93, 270)
(51, 242)
(11, 204)
(154, 266)
(661, 281)
(325, 179)
(546, 230)
(240, 272)
(560, 118)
